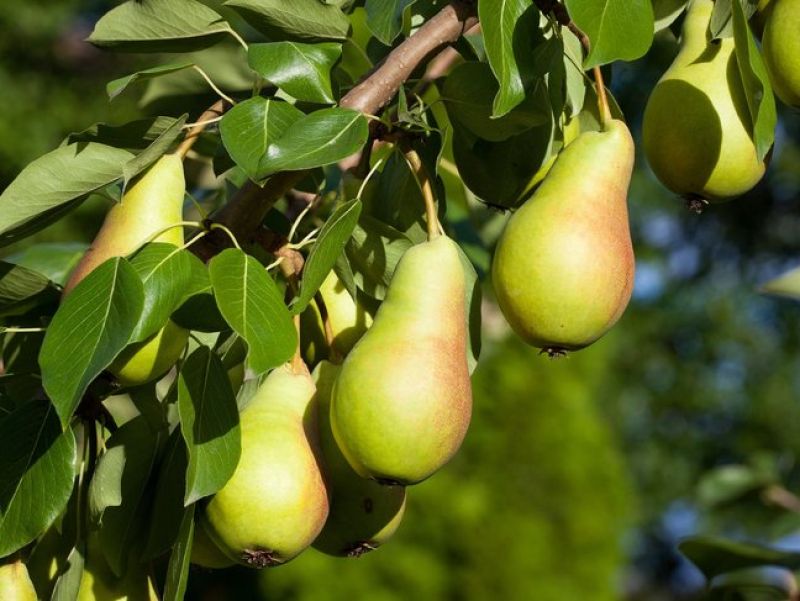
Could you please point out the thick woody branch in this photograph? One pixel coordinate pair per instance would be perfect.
(246, 210)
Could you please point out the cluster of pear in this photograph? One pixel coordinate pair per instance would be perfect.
(326, 456)
(697, 130)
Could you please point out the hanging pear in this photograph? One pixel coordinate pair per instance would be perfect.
(697, 128)
(15, 584)
(151, 203)
(363, 514)
(402, 402)
(781, 44)
(205, 553)
(276, 503)
(563, 268)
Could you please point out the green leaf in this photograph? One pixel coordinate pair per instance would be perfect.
(318, 139)
(755, 80)
(618, 29)
(93, 324)
(766, 583)
(118, 86)
(385, 18)
(53, 181)
(69, 580)
(159, 26)
(54, 260)
(303, 19)
(209, 424)
(178, 568)
(132, 136)
(729, 483)
(155, 151)
(168, 506)
(301, 70)
(251, 126)
(37, 467)
(499, 22)
(716, 555)
(373, 252)
(329, 245)
(118, 495)
(200, 313)
(722, 18)
(787, 284)
(468, 93)
(169, 276)
(251, 303)
(21, 289)
(666, 11)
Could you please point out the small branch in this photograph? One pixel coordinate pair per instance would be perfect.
(215, 111)
(778, 496)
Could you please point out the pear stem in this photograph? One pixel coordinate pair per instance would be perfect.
(602, 98)
(298, 365)
(425, 186)
(333, 354)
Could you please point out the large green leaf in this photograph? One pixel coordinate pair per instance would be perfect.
(53, 181)
(469, 91)
(373, 252)
(722, 19)
(209, 423)
(37, 467)
(666, 11)
(755, 80)
(168, 506)
(21, 289)
(618, 29)
(118, 495)
(303, 19)
(385, 18)
(251, 126)
(92, 326)
(54, 260)
(251, 303)
(154, 151)
(329, 245)
(319, 139)
(715, 555)
(397, 199)
(301, 70)
(170, 276)
(159, 26)
(118, 86)
(133, 136)
(500, 20)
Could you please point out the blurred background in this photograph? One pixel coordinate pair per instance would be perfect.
(578, 476)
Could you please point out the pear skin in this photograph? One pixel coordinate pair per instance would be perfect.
(697, 126)
(151, 203)
(348, 321)
(205, 553)
(402, 402)
(363, 514)
(276, 502)
(563, 269)
(781, 45)
(15, 584)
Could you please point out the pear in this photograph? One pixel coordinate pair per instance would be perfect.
(15, 584)
(348, 321)
(697, 126)
(402, 402)
(781, 45)
(276, 503)
(563, 268)
(363, 514)
(99, 583)
(151, 203)
(205, 553)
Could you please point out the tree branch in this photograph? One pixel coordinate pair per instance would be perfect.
(246, 210)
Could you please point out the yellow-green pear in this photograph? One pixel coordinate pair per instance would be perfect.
(99, 583)
(276, 502)
(563, 268)
(151, 203)
(205, 553)
(697, 128)
(15, 584)
(348, 321)
(363, 514)
(402, 402)
(781, 45)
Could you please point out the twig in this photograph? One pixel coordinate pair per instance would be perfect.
(215, 110)
(426, 188)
